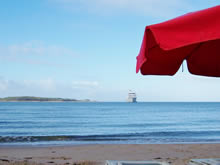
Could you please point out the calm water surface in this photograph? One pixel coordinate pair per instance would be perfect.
(56, 123)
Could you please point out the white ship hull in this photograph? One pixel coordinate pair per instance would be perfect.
(132, 97)
(132, 100)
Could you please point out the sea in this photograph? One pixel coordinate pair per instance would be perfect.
(77, 123)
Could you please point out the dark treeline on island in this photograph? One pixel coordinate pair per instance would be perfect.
(46, 99)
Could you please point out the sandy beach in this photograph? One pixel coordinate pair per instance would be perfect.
(176, 154)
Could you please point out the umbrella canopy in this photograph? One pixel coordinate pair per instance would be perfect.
(194, 37)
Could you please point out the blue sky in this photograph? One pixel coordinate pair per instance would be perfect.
(87, 49)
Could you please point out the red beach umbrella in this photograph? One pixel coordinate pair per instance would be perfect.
(194, 37)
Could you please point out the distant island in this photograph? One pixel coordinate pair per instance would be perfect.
(39, 99)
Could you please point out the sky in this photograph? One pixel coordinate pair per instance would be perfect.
(86, 49)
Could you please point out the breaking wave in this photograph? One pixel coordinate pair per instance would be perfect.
(181, 136)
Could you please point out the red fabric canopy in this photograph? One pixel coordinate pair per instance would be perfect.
(194, 37)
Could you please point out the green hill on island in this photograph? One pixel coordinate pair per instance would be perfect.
(46, 99)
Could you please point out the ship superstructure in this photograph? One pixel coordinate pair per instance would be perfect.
(132, 98)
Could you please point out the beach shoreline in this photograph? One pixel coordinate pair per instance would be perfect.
(177, 154)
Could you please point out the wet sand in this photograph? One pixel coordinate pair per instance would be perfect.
(176, 154)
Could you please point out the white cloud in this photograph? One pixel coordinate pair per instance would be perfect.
(85, 84)
(46, 84)
(155, 8)
(49, 87)
(3, 84)
(35, 48)
(37, 53)
(43, 84)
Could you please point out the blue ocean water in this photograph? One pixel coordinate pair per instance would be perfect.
(39, 123)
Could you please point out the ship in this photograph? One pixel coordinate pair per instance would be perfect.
(132, 98)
